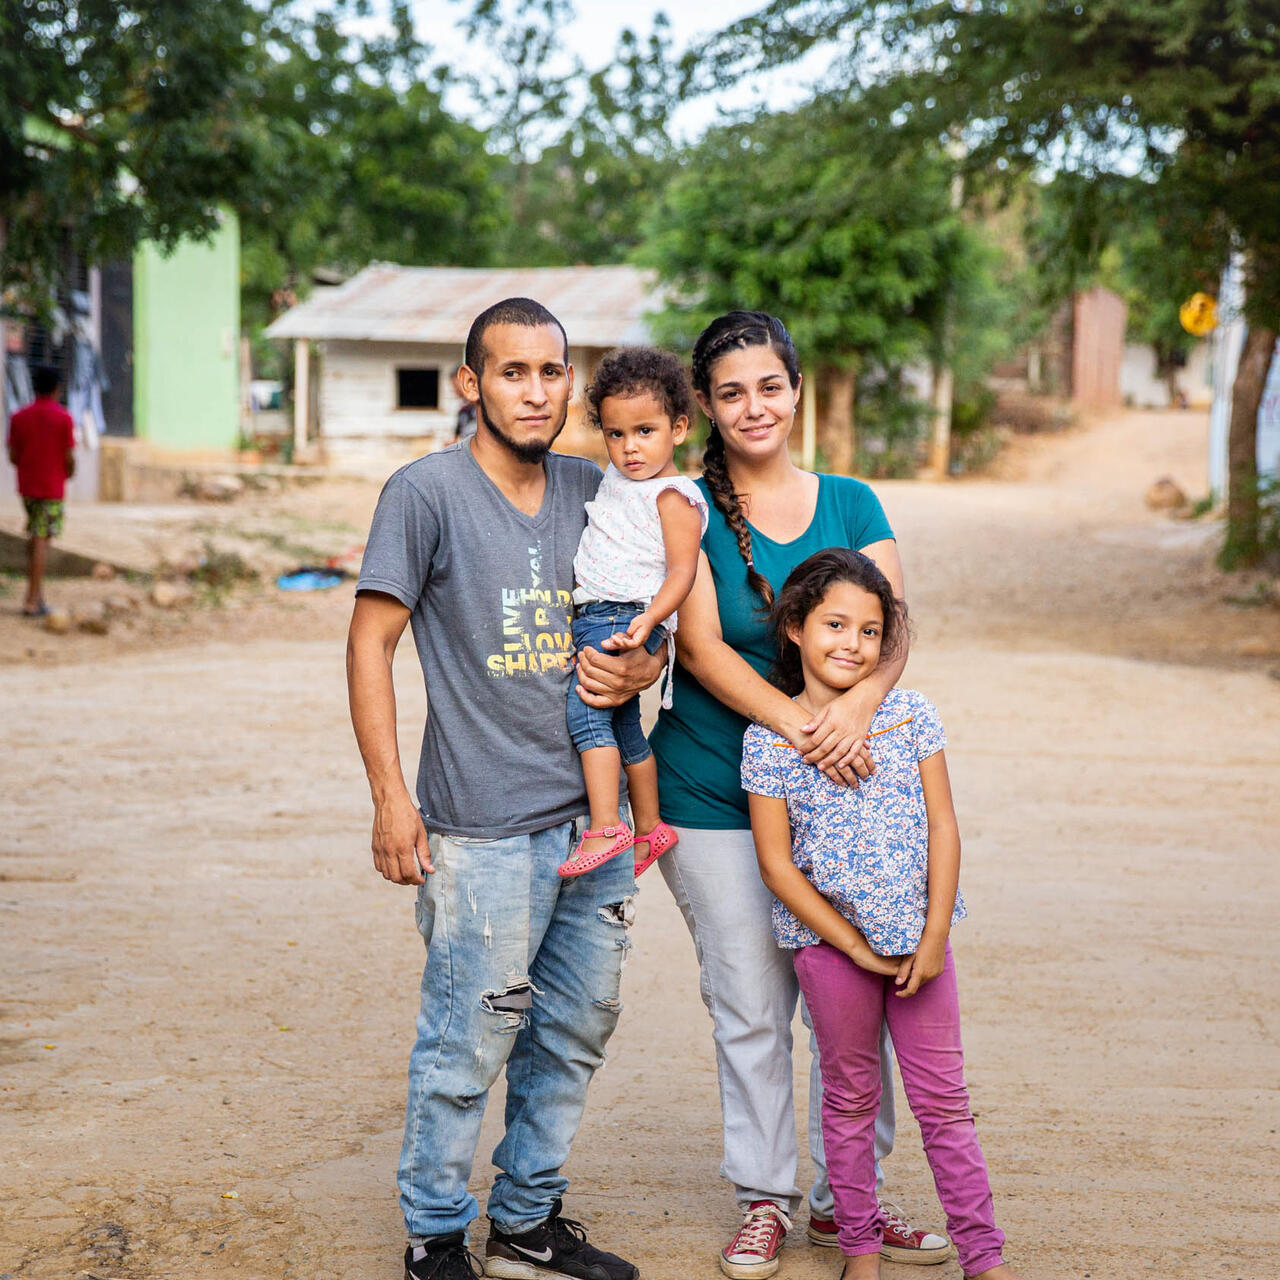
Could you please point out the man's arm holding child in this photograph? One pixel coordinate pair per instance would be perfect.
(400, 851)
(681, 539)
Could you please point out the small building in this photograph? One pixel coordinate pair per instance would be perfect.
(1144, 386)
(390, 338)
(160, 337)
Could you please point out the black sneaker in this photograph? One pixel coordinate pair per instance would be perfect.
(553, 1250)
(442, 1258)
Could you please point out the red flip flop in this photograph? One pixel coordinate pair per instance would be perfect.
(579, 863)
(660, 839)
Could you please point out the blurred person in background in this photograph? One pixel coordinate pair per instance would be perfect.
(42, 446)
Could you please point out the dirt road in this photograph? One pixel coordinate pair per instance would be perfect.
(209, 995)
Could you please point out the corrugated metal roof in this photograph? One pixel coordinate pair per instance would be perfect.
(598, 306)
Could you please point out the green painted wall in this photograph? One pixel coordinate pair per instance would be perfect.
(186, 329)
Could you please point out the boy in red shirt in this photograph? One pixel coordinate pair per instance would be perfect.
(42, 447)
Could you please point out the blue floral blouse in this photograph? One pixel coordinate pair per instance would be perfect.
(864, 848)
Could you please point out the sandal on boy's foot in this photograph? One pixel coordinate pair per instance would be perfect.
(659, 840)
(579, 863)
(40, 611)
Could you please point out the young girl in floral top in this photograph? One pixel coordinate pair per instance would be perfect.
(635, 564)
(866, 888)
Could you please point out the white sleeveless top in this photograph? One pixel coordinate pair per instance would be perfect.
(621, 555)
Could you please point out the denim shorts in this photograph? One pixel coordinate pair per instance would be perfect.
(608, 726)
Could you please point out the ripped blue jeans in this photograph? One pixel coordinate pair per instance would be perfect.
(523, 971)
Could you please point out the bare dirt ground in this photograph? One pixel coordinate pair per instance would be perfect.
(209, 995)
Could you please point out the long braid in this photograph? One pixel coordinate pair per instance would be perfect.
(715, 471)
(732, 332)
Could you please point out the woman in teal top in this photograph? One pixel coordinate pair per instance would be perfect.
(768, 516)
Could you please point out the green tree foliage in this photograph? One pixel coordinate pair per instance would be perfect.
(593, 188)
(804, 215)
(1139, 239)
(584, 154)
(118, 122)
(823, 217)
(524, 103)
(1184, 94)
(365, 162)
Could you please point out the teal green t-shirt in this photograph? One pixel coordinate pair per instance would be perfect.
(698, 742)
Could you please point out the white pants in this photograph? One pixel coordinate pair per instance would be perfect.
(749, 987)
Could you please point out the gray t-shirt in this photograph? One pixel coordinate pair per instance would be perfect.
(490, 591)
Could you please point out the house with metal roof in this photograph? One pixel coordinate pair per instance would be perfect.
(389, 339)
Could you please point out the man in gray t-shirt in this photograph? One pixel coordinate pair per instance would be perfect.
(474, 547)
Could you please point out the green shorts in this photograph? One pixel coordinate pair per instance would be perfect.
(44, 516)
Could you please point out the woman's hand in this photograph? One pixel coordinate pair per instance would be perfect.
(608, 680)
(838, 733)
(923, 965)
(793, 726)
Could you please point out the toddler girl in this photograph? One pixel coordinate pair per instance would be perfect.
(865, 882)
(635, 564)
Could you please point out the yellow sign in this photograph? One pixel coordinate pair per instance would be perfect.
(1199, 314)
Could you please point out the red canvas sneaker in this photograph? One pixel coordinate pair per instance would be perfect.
(752, 1254)
(901, 1244)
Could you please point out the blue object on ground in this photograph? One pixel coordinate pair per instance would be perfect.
(310, 580)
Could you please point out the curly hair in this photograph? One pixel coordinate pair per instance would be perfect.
(631, 371)
(805, 589)
(732, 332)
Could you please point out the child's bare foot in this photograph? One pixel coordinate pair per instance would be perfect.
(1002, 1272)
(865, 1266)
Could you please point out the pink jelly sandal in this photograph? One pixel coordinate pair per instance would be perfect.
(579, 863)
(660, 839)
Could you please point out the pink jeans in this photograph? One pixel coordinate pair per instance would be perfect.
(847, 1005)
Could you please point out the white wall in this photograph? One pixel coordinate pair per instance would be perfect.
(358, 390)
(1142, 388)
(358, 414)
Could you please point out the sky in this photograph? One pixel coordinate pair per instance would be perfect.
(593, 35)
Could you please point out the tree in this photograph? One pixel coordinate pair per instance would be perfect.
(525, 100)
(585, 153)
(1134, 237)
(822, 218)
(587, 194)
(1183, 93)
(365, 163)
(118, 122)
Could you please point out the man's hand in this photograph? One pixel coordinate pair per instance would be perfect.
(923, 965)
(400, 850)
(608, 680)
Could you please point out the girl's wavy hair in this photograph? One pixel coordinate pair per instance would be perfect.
(805, 589)
(733, 332)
